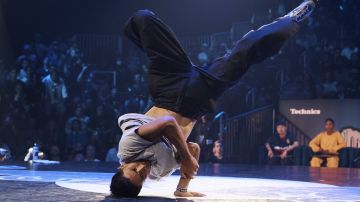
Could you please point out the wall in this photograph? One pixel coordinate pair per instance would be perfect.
(5, 49)
(346, 113)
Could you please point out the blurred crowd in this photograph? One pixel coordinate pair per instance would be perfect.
(325, 55)
(53, 97)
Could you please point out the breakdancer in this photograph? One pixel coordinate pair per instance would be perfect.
(154, 145)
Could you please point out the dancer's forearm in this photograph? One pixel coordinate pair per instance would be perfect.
(184, 182)
(166, 126)
(174, 134)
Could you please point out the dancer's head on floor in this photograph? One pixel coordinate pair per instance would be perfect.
(128, 180)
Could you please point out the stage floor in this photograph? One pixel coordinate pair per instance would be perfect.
(228, 182)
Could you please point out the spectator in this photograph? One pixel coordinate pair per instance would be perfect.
(55, 55)
(76, 153)
(54, 153)
(203, 55)
(204, 134)
(90, 154)
(348, 50)
(19, 102)
(96, 139)
(88, 87)
(55, 94)
(138, 87)
(25, 68)
(79, 157)
(111, 155)
(5, 152)
(280, 146)
(27, 54)
(79, 116)
(40, 48)
(75, 134)
(217, 156)
(102, 121)
(44, 70)
(114, 101)
(326, 145)
(122, 75)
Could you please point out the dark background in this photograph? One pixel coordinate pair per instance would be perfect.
(60, 18)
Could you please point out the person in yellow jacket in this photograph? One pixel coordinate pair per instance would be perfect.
(327, 144)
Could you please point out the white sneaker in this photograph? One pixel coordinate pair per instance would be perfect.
(303, 11)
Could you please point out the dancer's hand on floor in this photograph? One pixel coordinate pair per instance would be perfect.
(188, 194)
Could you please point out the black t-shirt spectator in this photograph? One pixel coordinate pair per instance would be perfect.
(275, 141)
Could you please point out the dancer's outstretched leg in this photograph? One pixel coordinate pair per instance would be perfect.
(256, 46)
(169, 65)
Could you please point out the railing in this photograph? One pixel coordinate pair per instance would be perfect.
(245, 133)
(99, 49)
(300, 135)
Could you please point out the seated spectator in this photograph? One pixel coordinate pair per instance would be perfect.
(217, 156)
(5, 152)
(327, 145)
(280, 146)
(111, 155)
(96, 139)
(90, 154)
(75, 134)
(102, 120)
(54, 153)
(80, 116)
(79, 157)
(76, 153)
